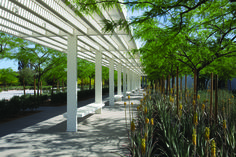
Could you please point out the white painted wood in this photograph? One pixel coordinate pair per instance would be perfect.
(128, 80)
(119, 79)
(98, 78)
(111, 82)
(72, 83)
(124, 82)
(88, 109)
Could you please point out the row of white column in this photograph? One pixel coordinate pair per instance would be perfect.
(131, 81)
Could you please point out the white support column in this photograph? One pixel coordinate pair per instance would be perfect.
(111, 82)
(98, 78)
(128, 80)
(72, 84)
(124, 82)
(119, 79)
(139, 81)
(132, 81)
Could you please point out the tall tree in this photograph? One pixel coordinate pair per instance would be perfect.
(41, 59)
(7, 76)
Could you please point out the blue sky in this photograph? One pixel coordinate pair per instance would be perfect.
(7, 63)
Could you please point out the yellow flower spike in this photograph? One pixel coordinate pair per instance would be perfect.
(195, 119)
(171, 90)
(224, 124)
(194, 102)
(138, 107)
(232, 96)
(125, 103)
(145, 110)
(152, 121)
(147, 121)
(150, 97)
(128, 96)
(213, 148)
(145, 136)
(229, 99)
(141, 100)
(132, 126)
(203, 107)
(144, 98)
(194, 137)
(144, 94)
(198, 96)
(143, 147)
(180, 106)
(207, 133)
(132, 103)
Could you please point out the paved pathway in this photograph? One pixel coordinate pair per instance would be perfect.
(44, 134)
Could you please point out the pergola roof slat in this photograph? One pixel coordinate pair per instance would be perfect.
(48, 22)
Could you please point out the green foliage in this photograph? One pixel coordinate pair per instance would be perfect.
(7, 76)
(27, 75)
(17, 104)
(8, 43)
(173, 133)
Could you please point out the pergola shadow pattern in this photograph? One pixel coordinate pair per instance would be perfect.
(99, 135)
(57, 25)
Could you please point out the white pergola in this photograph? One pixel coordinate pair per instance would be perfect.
(57, 25)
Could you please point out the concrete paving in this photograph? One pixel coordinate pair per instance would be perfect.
(44, 134)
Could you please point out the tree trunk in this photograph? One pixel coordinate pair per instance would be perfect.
(211, 96)
(38, 86)
(34, 86)
(90, 82)
(195, 86)
(58, 84)
(163, 80)
(177, 90)
(185, 92)
(216, 98)
(181, 88)
(167, 89)
(41, 88)
(82, 84)
(173, 84)
(63, 85)
(169, 83)
(53, 85)
(24, 84)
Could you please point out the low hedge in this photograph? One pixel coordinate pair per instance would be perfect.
(20, 103)
(30, 102)
(61, 97)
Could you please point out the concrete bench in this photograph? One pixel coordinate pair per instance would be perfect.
(118, 97)
(88, 109)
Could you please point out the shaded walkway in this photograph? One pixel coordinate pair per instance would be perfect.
(47, 113)
(98, 135)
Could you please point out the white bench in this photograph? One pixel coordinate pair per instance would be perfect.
(85, 110)
(118, 97)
